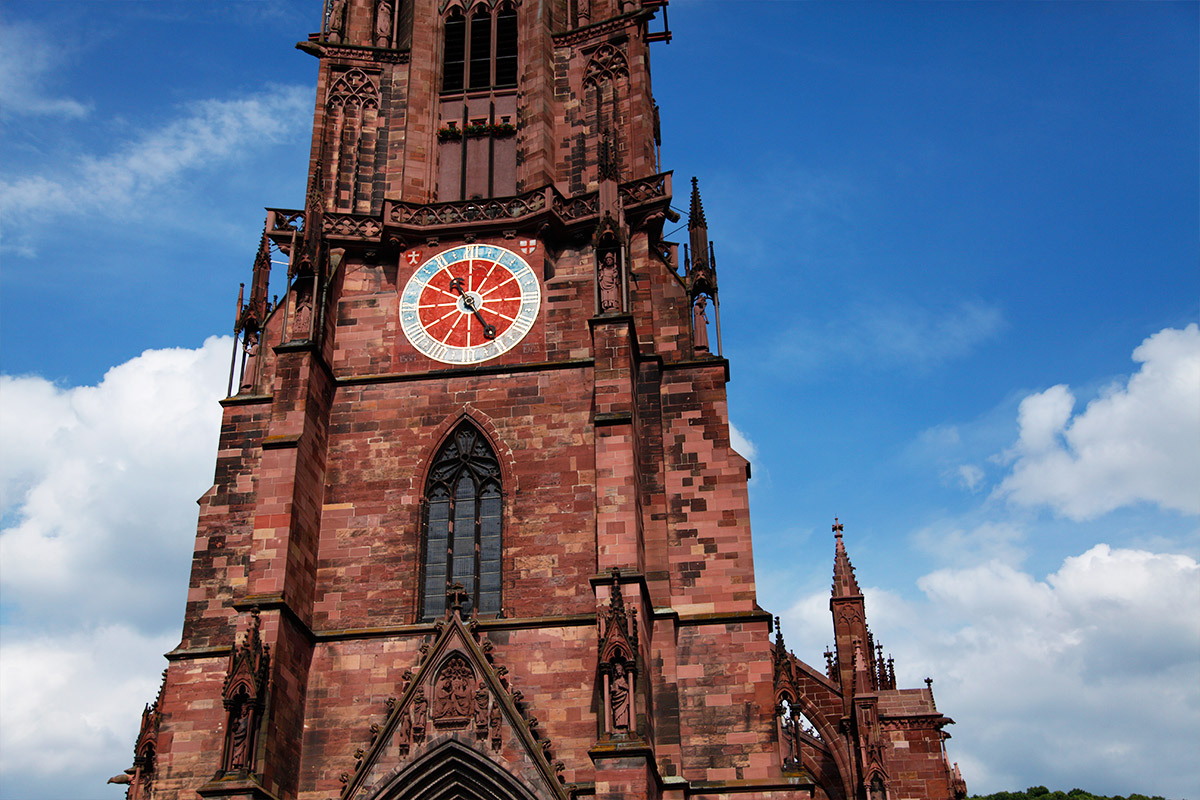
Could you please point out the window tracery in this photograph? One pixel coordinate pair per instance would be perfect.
(463, 508)
(353, 109)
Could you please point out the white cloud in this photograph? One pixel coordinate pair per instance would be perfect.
(742, 444)
(972, 539)
(29, 58)
(209, 132)
(72, 706)
(1079, 674)
(1138, 442)
(99, 486)
(969, 476)
(1083, 673)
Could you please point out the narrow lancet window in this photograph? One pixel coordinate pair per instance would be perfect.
(455, 55)
(463, 509)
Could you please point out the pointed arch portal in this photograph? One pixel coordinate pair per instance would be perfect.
(454, 772)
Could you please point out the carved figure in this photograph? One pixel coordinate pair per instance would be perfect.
(303, 319)
(383, 24)
(618, 695)
(481, 710)
(700, 324)
(452, 690)
(494, 725)
(337, 20)
(249, 376)
(239, 739)
(789, 740)
(420, 705)
(610, 283)
(404, 733)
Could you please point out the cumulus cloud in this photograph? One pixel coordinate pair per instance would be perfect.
(1137, 442)
(1083, 672)
(72, 706)
(208, 132)
(1078, 674)
(99, 485)
(29, 59)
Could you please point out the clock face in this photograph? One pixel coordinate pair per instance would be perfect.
(469, 304)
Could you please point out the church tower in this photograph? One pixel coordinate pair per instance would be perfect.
(477, 530)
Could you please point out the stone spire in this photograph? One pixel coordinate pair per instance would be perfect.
(697, 228)
(844, 582)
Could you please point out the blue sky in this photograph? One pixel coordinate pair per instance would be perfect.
(957, 248)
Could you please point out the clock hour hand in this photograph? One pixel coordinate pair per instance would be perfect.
(489, 331)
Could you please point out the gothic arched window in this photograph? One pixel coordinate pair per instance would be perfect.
(463, 508)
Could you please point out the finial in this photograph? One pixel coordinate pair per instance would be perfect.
(844, 582)
(696, 213)
(457, 597)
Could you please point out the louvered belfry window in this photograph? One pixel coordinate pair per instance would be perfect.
(480, 49)
(463, 505)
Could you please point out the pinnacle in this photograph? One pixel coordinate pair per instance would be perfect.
(696, 214)
(844, 582)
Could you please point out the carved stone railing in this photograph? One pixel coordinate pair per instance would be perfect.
(646, 190)
(520, 211)
(577, 207)
(459, 212)
(281, 221)
(351, 226)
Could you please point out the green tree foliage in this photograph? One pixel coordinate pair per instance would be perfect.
(1042, 793)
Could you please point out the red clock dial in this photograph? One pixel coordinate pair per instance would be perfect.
(469, 304)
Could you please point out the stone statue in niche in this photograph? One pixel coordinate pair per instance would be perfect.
(383, 24)
(609, 278)
(789, 742)
(337, 20)
(250, 370)
(700, 324)
(303, 319)
(241, 733)
(619, 699)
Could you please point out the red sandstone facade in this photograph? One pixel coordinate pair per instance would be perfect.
(623, 654)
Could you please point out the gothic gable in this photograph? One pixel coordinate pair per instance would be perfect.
(458, 729)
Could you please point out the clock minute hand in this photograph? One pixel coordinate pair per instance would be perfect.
(489, 331)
